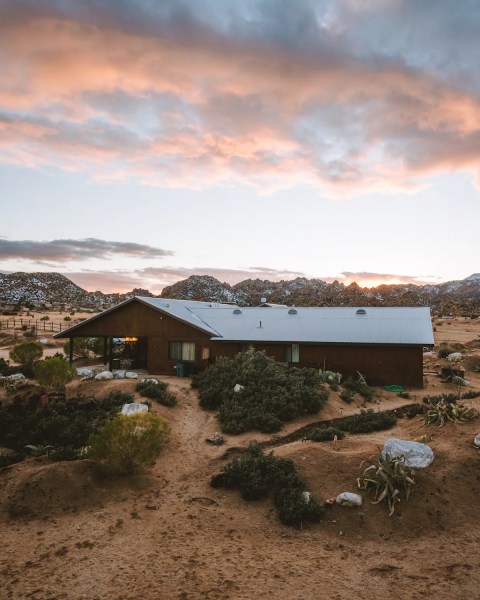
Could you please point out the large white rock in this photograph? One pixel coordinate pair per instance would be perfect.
(149, 380)
(43, 341)
(104, 375)
(454, 356)
(134, 408)
(119, 374)
(131, 375)
(15, 377)
(84, 372)
(416, 455)
(476, 441)
(349, 499)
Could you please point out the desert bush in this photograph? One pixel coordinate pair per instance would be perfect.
(358, 387)
(54, 373)
(156, 391)
(67, 318)
(83, 346)
(388, 476)
(324, 434)
(444, 350)
(440, 413)
(129, 444)
(45, 318)
(257, 474)
(451, 398)
(470, 395)
(59, 423)
(415, 409)
(26, 354)
(272, 392)
(347, 396)
(367, 421)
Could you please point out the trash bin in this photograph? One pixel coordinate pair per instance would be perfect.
(181, 370)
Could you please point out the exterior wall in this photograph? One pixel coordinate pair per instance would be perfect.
(381, 365)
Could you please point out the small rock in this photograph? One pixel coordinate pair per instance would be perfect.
(476, 441)
(454, 356)
(238, 387)
(16, 377)
(131, 375)
(306, 496)
(348, 499)
(84, 372)
(149, 380)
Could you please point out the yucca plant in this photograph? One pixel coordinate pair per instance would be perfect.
(388, 476)
(440, 413)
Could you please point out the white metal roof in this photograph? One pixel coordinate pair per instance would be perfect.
(379, 325)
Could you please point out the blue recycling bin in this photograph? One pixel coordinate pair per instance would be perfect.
(181, 369)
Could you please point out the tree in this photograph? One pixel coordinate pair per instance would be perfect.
(54, 373)
(26, 354)
(82, 346)
(129, 444)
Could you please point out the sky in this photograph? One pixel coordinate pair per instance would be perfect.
(142, 142)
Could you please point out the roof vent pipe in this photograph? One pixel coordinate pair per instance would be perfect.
(237, 311)
(292, 311)
(361, 311)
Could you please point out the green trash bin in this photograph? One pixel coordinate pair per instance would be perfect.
(181, 370)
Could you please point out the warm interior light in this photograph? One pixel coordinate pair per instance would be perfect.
(131, 339)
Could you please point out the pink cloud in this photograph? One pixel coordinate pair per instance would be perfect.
(258, 112)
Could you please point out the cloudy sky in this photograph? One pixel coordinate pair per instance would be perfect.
(142, 142)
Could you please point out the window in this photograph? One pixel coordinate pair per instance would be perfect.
(181, 351)
(292, 353)
(205, 353)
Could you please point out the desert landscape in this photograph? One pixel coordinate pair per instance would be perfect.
(69, 534)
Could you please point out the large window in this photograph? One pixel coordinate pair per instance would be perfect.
(292, 353)
(181, 351)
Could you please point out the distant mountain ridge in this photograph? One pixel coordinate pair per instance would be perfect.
(453, 297)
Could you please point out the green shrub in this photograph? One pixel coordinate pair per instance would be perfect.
(470, 395)
(54, 373)
(129, 444)
(325, 434)
(257, 474)
(439, 413)
(444, 350)
(358, 387)
(58, 423)
(26, 354)
(451, 398)
(347, 396)
(367, 421)
(272, 392)
(156, 391)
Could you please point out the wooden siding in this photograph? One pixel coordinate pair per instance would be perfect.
(381, 365)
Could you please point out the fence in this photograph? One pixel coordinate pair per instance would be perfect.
(39, 325)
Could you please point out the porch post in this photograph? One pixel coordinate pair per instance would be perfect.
(71, 350)
(110, 355)
(105, 349)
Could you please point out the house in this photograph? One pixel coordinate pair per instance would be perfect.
(384, 344)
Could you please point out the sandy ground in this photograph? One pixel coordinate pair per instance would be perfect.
(168, 535)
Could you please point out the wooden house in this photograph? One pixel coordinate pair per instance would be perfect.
(384, 344)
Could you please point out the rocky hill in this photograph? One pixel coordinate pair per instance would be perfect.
(453, 297)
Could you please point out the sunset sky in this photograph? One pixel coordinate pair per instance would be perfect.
(145, 141)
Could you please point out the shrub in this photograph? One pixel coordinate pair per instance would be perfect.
(156, 391)
(272, 392)
(452, 398)
(439, 413)
(470, 395)
(257, 474)
(325, 434)
(388, 477)
(67, 318)
(129, 444)
(367, 421)
(54, 373)
(7, 369)
(358, 387)
(59, 423)
(444, 350)
(27, 354)
(347, 396)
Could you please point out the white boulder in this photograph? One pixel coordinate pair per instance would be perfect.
(104, 375)
(349, 499)
(134, 408)
(119, 374)
(149, 380)
(476, 441)
(15, 377)
(454, 356)
(84, 372)
(415, 454)
(131, 375)
(43, 341)
(238, 387)
(306, 496)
